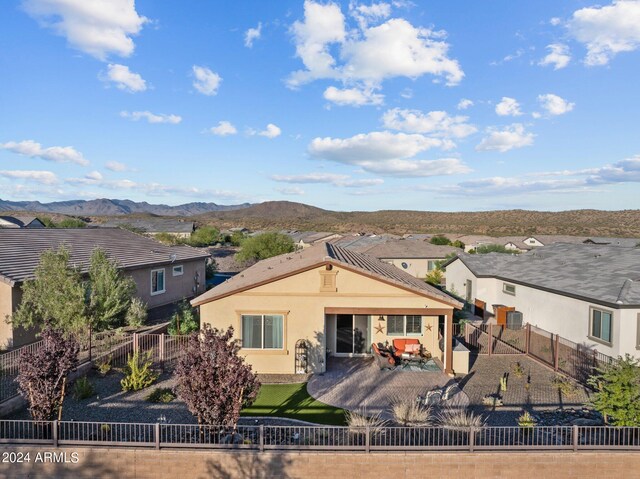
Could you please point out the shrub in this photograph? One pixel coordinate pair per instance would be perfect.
(526, 420)
(137, 313)
(357, 422)
(434, 277)
(184, 321)
(494, 248)
(138, 373)
(492, 400)
(409, 412)
(518, 370)
(264, 246)
(204, 236)
(103, 365)
(82, 388)
(460, 419)
(564, 385)
(161, 395)
(503, 383)
(440, 240)
(617, 395)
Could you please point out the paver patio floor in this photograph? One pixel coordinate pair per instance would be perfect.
(356, 383)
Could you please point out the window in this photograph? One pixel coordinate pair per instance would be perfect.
(178, 270)
(601, 325)
(157, 281)
(262, 331)
(509, 288)
(431, 265)
(404, 325)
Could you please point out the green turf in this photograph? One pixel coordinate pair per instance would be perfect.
(292, 401)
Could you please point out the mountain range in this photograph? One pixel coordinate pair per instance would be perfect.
(114, 207)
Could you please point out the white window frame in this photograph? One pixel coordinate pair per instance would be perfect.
(164, 281)
(262, 331)
(432, 264)
(592, 310)
(506, 286)
(404, 325)
(181, 269)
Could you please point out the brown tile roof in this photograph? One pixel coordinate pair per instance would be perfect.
(407, 248)
(278, 267)
(20, 249)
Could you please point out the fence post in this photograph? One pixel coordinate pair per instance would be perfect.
(54, 433)
(472, 438)
(490, 339)
(527, 338)
(367, 440)
(575, 434)
(261, 437)
(135, 343)
(90, 338)
(157, 434)
(556, 348)
(162, 351)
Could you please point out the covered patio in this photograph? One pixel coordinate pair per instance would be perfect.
(357, 383)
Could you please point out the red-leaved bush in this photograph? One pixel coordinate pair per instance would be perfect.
(213, 380)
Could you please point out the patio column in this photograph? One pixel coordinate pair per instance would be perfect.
(448, 342)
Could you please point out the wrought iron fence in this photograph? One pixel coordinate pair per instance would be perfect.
(332, 438)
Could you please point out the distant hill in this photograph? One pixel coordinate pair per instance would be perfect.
(289, 215)
(109, 207)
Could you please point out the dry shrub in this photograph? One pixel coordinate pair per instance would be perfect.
(409, 412)
(460, 419)
(359, 421)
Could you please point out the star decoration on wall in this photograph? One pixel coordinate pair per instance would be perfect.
(379, 329)
(428, 327)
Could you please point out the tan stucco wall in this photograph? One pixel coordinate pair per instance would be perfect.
(300, 300)
(9, 335)
(418, 267)
(176, 287)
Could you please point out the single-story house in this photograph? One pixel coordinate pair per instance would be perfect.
(415, 257)
(589, 294)
(163, 274)
(304, 239)
(361, 242)
(20, 222)
(336, 300)
(178, 228)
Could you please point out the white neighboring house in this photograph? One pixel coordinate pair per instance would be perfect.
(589, 294)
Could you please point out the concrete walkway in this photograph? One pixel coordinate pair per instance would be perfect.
(356, 383)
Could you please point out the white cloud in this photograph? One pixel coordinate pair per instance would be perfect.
(206, 81)
(558, 56)
(224, 128)
(367, 55)
(291, 191)
(366, 14)
(508, 107)
(327, 178)
(43, 177)
(464, 103)
(387, 153)
(94, 175)
(99, 28)
(116, 166)
(555, 21)
(271, 131)
(512, 136)
(151, 117)
(510, 57)
(353, 96)
(124, 78)
(436, 123)
(607, 30)
(59, 154)
(251, 35)
(555, 105)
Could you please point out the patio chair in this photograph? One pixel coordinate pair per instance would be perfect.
(384, 359)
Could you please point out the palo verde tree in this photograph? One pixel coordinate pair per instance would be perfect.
(264, 246)
(55, 296)
(42, 374)
(617, 395)
(213, 379)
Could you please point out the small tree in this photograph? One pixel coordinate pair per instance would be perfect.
(110, 292)
(440, 240)
(493, 248)
(264, 246)
(434, 277)
(71, 223)
(617, 395)
(42, 374)
(136, 314)
(184, 321)
(458, 244)
(56, 296)
(205, 236)
(213, 380)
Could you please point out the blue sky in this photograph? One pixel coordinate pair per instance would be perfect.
(458, 105)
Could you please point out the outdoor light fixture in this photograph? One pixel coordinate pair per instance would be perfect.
(381, 318)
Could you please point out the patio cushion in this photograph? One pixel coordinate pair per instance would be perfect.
(399, 344)
(412, 348)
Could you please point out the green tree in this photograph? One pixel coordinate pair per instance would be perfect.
(236, 238)
(617, 395)
(184, 321)
(136, 314)
(434, 277)
(493, 248)
(71, 223)
(440, 240)
(109, 291)
(205, 236)
(264, 246)
(55, 297)
(458, 244)
(167, 238)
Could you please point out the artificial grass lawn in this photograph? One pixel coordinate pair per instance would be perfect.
(292, 401)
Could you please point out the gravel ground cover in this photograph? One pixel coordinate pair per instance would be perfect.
(532, 389)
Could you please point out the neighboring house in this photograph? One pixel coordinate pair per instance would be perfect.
(589, 294)
(304, 239)
(517, 244)
(415, 257)
(178, 228)
(337, 300)
(20, 222)
(225, 263)
(361, 243)
(163, 274)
